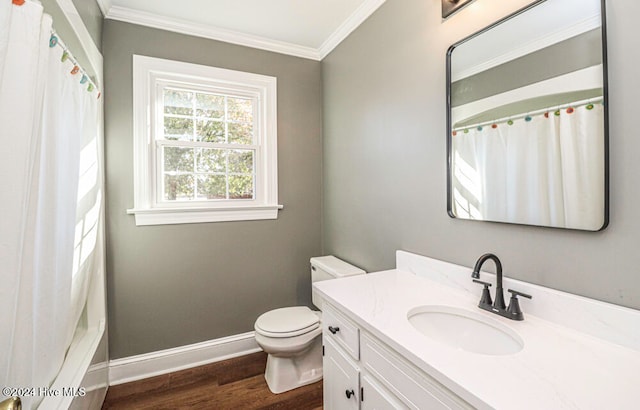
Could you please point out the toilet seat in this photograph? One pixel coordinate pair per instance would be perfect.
(287, 322)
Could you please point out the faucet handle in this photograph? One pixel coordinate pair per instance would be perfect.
(486, 284)
(514, 310)
(482, 282)
(485, 300)
(515, 293)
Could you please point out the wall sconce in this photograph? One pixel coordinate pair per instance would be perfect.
(451, 6)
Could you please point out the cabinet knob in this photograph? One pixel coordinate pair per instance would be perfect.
(349, 393)
(334, 330)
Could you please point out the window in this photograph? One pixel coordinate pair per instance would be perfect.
(204, 144)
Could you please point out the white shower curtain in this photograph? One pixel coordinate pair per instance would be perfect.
(49, 202)
(545, 171)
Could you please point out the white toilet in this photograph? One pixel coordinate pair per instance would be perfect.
(291, 336)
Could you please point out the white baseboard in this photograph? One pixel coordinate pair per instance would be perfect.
(152, 364)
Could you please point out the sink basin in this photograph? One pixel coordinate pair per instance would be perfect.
(466, 330)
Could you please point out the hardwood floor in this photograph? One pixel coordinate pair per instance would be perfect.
(231, 384)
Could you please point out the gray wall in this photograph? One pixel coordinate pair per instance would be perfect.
(573, 54)
(92, 17)
(90, 14)
(385, 156)
(174, 285)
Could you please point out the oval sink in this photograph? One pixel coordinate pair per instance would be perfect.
(466, 330)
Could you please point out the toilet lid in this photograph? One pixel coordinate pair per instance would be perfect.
(287, 322)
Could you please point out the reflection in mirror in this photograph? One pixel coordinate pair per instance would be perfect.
(527, 139)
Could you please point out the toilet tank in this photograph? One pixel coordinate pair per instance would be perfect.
(330, 267)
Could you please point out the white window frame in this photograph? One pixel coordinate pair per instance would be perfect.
(148, 75)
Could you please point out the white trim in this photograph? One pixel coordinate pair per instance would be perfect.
(214, 33)
(104, 5)
(194, 215)
(175, 25)
(532, 46)
(185, 357)
(97, 377)
(86, 41)
(363, 12)
(147, 71)
(75, 367)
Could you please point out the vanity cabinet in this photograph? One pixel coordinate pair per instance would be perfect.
(576, 353)
(361, 372)
(377, 396)
(341, 379)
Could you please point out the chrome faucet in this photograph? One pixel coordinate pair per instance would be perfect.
(498, 306)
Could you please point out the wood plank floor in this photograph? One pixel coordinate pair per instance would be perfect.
(231, 384)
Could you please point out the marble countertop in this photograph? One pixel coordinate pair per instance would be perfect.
(558, 367)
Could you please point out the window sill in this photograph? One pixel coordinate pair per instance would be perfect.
(169, 216)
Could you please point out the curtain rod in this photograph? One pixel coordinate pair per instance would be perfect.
(54, 41)
(77, 68)
(531, 113)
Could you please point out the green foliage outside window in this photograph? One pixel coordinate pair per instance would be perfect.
(199, 173)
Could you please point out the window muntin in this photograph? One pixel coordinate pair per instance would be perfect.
(207, 145)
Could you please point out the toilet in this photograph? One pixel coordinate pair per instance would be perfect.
(292, 336)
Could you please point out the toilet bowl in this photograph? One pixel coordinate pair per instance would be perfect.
(292, 336)
(293, 359)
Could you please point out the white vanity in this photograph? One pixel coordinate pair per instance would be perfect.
(569, 352)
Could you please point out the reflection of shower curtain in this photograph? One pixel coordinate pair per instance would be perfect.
(49, 202)
(544, 171)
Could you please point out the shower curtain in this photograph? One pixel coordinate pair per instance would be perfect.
(541, 170)
(50, 199)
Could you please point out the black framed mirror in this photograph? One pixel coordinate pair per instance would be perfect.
(527, 119)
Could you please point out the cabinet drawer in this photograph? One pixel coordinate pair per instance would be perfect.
(416, 389)
(340, 329)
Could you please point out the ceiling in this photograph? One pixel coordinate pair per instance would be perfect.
(304, 28)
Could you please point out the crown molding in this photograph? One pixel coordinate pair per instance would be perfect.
(104, 5)
(214, 33)
(152, 20)
(358, 17)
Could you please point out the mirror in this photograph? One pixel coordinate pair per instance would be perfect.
(527, 119)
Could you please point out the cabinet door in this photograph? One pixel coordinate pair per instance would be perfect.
(416, 389)
(376, 397)
(341, 379)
